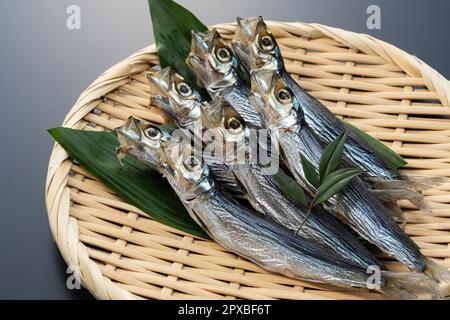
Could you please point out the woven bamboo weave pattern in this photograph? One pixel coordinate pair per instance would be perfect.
(119, 252)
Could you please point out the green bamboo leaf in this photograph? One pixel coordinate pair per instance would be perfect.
(172, 27)
(331, 156)
(133, 182)
(310, 172)
(333, 183)
(291, 188)
(390, 157)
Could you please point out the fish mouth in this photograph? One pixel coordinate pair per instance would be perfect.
(248, 29)
(212, 112)
(132, 137)
(262, 81)
(248, 44)
(201, 68)
(242, 41)
(203, 42)
(129, 136)
(163, 103)
(163, 79)
(131, 130)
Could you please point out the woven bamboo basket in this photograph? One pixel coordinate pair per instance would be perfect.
(119, 252)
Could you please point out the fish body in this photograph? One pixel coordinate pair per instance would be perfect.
(328, 127)
(356, 204)
(277, 250)
(267, 197)
(271, 246)
(245, 232)
(281, 111)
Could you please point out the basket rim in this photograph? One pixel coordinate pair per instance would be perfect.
(65, 229)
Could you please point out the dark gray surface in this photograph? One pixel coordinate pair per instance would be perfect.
(44, 67)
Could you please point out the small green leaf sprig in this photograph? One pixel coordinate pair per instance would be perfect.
(328, 181)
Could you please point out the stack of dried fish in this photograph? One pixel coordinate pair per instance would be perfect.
(236, 199)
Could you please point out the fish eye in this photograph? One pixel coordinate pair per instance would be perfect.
(267, 43)
(234, 124)
(184, 89)
(152, 133)
(284, 96)
(191, 163)
(223, 54)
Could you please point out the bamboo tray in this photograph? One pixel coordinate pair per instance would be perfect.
(121, 253)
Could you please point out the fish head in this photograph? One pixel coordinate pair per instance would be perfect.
(232, 126)
(143, 140)
(175, 97)
(255, 45)
(212, 61)
(274, 100)
(183, 167)
(227, 134)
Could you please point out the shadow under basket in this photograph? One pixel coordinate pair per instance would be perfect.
(121, 253)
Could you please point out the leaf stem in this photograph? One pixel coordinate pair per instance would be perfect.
(310, 208)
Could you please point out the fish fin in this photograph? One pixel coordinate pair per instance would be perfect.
(440, 274)
(197, 219)
(390, 196)
(225, 178)
(404, 222)
(393, 209)
(422, 205)
(411, 182)
(410, 286)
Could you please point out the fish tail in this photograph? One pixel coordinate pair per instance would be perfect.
(410, 286)
(421, 204)
(421, 183)
(440, 274)
(390, 196)
(408, 182)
